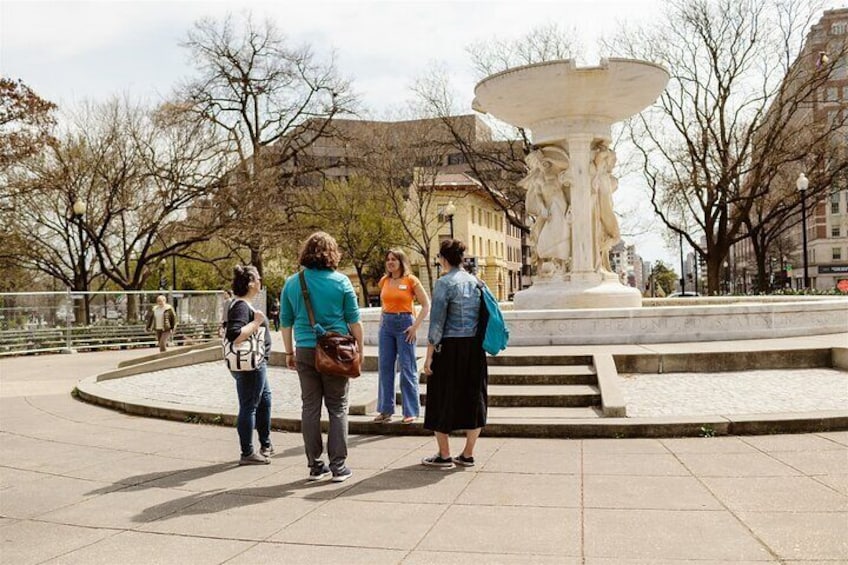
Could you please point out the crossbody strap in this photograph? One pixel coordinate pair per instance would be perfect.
(305, 290)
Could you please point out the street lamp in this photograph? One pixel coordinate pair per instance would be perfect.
(450, 210)
(682, 271)
(802, 184)
(79, 210)
(726, 277)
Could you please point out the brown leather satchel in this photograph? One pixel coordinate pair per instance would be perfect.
(335, 354)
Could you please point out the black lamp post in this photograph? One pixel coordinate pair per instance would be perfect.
(802, 184)
(79, 210)
(682, 271)
(450, 210)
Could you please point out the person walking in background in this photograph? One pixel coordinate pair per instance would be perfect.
(335, 309)
(457, 374)
(254, 394)
(226, 299)
(274, 313)
(162, 319)
(398, 328)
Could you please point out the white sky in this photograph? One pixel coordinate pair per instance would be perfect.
(73, 51)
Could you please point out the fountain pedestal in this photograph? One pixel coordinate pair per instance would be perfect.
(569, 111)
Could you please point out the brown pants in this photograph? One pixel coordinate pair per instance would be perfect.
(162, 337)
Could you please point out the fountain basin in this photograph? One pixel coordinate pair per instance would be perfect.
(688, 320)
(555, 97)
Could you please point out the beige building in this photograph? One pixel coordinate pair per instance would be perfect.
(424, 157)
(493, 244)
(827, 194)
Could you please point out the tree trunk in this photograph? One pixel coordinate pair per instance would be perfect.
(763, 282)
(713, 274)
(132, 308)
(256, 258)
(362, 283)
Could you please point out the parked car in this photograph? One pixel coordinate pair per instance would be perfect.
(687, 294)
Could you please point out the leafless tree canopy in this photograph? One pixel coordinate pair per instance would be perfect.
(143, 181)
(548, 42)
(713, 144)
(270, 101)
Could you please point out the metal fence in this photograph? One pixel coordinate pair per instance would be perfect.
(42, 322)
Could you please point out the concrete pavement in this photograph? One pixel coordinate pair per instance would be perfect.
(81, 484)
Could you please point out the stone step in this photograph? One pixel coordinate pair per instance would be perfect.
(534, 395)
(537, 359)
(532, 414)
(538, 375)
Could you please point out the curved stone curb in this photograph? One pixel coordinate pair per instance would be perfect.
(748, 424)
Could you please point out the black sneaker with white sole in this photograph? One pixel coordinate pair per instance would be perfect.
(463, 460)
(319, 471)
(342, 475)
(437, 461)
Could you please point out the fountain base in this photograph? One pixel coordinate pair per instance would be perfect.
(577, 294)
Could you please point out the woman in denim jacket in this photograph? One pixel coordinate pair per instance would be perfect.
(457, 375)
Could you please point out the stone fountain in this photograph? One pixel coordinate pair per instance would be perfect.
(569, 110)
(575, 298)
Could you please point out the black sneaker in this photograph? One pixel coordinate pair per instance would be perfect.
(342, 475)
(318, 471)
(437, 461)
(463, 460)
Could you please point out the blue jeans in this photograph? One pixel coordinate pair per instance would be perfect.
(394, 350)
(254, 397)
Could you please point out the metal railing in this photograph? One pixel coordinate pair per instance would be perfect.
(49, 322)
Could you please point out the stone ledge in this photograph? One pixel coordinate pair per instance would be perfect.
(679, 426)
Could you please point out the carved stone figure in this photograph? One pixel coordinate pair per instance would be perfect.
(606, 232)
(548, 185)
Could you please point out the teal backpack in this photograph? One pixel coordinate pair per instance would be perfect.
(491, 326)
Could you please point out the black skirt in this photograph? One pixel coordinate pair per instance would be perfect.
(457, 396)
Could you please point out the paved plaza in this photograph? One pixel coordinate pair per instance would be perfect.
(80, 484)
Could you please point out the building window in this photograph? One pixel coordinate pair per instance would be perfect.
(838, 28)
(836, 253)
(456, 159)
(834, 231)
(834, 203)
(832, 94)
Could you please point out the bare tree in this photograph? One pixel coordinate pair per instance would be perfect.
(403, 163)
(271, 102)
(493, 152)
(547, 42)
(727, 106)
(144, 182)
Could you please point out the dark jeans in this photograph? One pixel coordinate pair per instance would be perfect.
(254, 396)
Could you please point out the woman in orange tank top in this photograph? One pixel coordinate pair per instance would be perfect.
(399, 288)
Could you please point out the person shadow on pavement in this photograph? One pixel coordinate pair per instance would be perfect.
(177, 478)
(403, 478)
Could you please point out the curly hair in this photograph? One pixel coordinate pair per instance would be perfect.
(452, 250)
(242, 276)
(320, 251)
